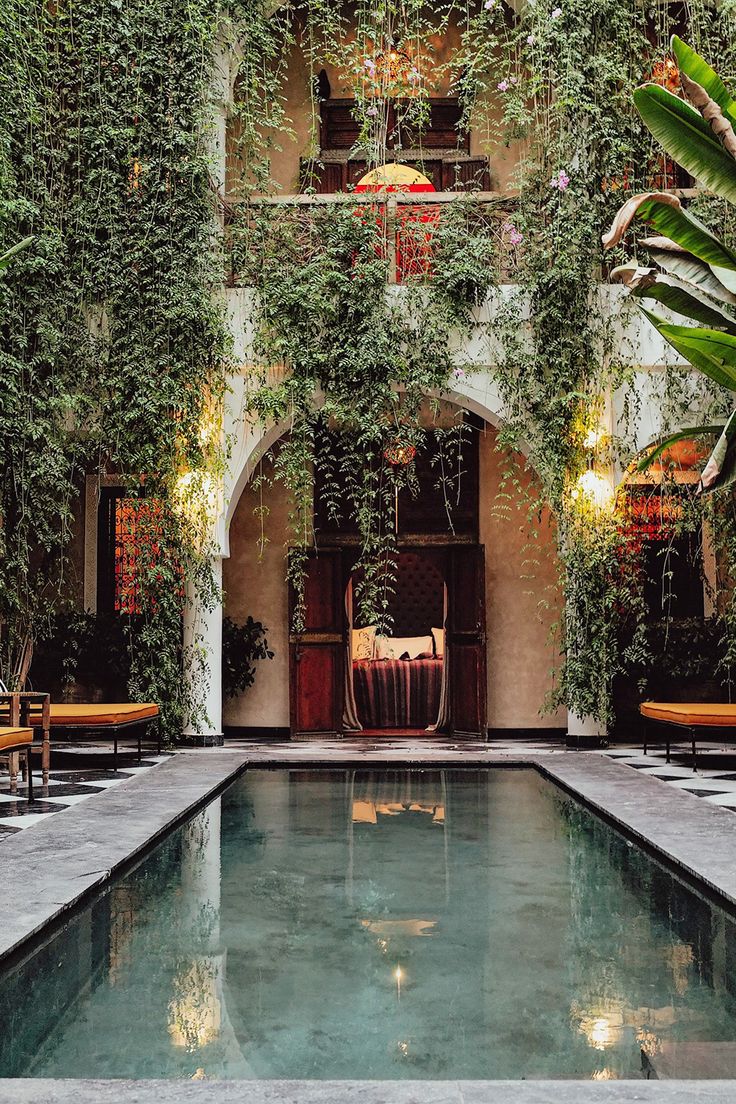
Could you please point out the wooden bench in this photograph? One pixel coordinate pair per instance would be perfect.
(13, 741)
(692, 717)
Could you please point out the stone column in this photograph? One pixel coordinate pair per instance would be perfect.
(203, 664)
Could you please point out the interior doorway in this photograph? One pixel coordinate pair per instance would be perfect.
(431, 678)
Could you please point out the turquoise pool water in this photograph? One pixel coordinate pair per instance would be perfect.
(394, 924)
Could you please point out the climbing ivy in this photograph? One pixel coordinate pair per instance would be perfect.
(114, 342)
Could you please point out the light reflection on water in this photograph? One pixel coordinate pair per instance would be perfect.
(419, 924)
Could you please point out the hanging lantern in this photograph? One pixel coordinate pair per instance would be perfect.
(394, 67)
(667, 74)
(399, 453)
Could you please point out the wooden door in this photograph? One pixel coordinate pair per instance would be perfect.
(466, 640)
(317, 656)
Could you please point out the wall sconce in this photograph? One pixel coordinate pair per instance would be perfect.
(594, 490)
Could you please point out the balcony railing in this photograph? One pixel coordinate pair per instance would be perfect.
(411, 229)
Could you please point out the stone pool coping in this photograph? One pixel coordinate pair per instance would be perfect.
(35, 1091)
(57, 864)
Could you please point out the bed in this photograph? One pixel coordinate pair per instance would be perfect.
(397, 693)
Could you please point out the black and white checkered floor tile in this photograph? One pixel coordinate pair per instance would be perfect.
(66, 787)
(716, 783)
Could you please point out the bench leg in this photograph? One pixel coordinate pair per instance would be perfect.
(140, 734)
(692, 741)
(13, 771)
(29, 772)
(115, 751)
(644, 733)
(667, 758)
(45, 757)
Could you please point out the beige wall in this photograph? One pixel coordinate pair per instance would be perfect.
(519, 576)
(520, 652)
(256, 584)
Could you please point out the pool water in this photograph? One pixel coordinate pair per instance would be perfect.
(383, 924)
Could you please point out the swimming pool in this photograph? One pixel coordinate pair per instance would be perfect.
(383, 924)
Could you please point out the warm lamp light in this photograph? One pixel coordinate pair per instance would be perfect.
(594, 490)
(593, 437)
(399, 454)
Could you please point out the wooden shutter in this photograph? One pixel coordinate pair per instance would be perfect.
(466, 640)
(316, 656)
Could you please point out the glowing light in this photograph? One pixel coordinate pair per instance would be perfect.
(602, 1075)
(593, 437)
(599, 1033)
(398, 975)
(594, 490)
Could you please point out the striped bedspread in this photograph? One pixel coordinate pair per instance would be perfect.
(396, 693)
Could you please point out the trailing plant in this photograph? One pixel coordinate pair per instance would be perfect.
(324, 315)
(243, 647)
(113, 342)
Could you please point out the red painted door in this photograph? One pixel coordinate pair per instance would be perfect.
(466, 640)
(316, 656)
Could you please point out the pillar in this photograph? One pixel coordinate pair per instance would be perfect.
(203, 663)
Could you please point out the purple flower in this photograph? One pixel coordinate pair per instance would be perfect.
(370, 65)
(502, 86)
(556, 13)
(414, 74)
(514, 80)
(459, 373)
(530, 40)
(489, 5)
(515, 237)
(560, 180)
(372, 110)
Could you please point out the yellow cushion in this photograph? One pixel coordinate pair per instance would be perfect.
(97, 716)
(15, 737)
(700, 714)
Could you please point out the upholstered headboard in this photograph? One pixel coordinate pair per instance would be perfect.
(419, 602)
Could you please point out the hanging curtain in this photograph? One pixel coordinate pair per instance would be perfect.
(443, 715)
(350, 720)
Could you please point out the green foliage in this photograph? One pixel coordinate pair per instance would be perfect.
(323, 313)
(113, 342)
(243, 647)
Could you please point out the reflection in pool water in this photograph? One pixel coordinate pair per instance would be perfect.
(418, 924)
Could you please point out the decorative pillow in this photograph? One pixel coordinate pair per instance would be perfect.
(438, 636)
(394, 647)
(362, 642)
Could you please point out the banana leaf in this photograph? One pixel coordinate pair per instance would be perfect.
(671, 293)
(682, 435)
(698, 70)
(686, 137)
(672, 221)
(690, 270)
(721, 467)
(7, 256)
(712, 351)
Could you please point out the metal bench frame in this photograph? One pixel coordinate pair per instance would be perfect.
(692, 731)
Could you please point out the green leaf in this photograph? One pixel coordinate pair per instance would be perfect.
(686, 136)
(7, 256)
(690, 270)
(681, 227)
(698, 70)
(676, 297)
(682, 435)
(721, 467)
(713, 352)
